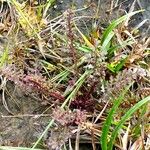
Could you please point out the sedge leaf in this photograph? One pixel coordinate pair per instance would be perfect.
(108, 34)
(108, 122)
(124, 118)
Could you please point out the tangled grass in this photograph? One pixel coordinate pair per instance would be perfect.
(96, 82)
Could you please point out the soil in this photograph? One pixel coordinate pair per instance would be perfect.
(25, 126)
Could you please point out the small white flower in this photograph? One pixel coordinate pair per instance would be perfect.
(89, 66)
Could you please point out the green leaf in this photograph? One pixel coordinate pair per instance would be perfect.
(88, 43)
(77, 85)
(106, 42)
(114, 48)
(111, 68)
(108, 122)
(120, 65)
(108, 34)
(115, 68)
(4, 56)
(48, 5)
(84, 49)
(124, 118)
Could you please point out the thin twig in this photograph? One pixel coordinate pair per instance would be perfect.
(77, 138)
(97, 118)
(26, 115)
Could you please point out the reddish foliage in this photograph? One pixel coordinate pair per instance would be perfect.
(84, 100)
(39, 86)
(57, 96)
(67, 117)
(71, 36)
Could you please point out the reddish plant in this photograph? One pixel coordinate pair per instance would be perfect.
(68, 117)
(84, 100)
(71, 36)
(38, 84)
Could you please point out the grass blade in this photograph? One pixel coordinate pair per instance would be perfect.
(84, 48)
(124, 118)
(107, 41)
(44, 132)
(72, 94)
(4, 56)
(88, 43)
(49, 3)
(78, 84)
(107, 124)
(115, 23)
